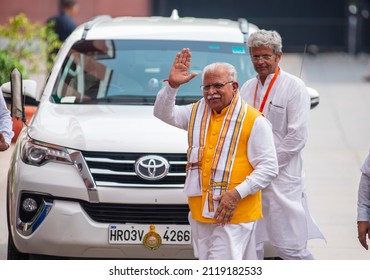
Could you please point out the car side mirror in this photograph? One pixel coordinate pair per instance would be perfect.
(314, 96)
(17, 108)
(16, 90)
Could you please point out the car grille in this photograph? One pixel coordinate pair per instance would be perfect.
(137, 213)
(118, 170)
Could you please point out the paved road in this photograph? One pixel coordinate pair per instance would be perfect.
(338, 143)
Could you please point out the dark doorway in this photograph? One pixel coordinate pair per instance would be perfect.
(314, 22)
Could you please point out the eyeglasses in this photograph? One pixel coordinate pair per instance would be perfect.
(206, 88)
(265, 57)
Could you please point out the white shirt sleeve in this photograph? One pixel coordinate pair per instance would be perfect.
(298, 110)
(6, 124)
(262, 156)
(166, 110)
(363, 202)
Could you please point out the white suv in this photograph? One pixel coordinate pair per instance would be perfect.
(95, 175)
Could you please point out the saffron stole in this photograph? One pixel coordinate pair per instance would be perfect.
(224, 153)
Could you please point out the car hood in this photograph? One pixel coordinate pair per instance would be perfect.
(113, 128)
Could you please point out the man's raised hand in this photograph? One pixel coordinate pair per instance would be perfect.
(179, 73)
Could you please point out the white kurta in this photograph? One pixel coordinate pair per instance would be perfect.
(287, 222)
(261, 150)
(363, 202)
(5, 120)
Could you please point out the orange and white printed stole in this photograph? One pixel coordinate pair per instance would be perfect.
(223, 157)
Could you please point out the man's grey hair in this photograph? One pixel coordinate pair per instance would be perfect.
(271, 39)
(231, 71)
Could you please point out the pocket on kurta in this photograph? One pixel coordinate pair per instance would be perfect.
(276, 116)
(289, 186)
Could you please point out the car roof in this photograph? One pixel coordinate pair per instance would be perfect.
(162, 28)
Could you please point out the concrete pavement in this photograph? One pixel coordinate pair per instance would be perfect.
(339, 140)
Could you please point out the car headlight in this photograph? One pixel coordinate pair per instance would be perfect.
(37, 153)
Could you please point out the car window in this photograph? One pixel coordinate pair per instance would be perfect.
(132, 71)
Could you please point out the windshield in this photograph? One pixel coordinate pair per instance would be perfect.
(132, 71)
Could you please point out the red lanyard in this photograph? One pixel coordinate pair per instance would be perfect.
(267, 91)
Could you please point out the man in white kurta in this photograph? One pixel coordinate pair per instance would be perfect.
(225, 230)
(6, 132)
(285, 102)
(363, 204)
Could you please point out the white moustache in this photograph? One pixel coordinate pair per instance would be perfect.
(214, 96)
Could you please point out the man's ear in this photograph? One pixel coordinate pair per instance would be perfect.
(278, 56)
(235, 85)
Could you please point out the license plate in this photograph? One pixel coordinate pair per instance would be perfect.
(134, 234)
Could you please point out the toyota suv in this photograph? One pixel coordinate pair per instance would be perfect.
(95, 175)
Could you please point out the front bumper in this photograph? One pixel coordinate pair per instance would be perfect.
(68, 231)
(65, 229)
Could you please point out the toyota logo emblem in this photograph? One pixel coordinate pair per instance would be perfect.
(152, 167)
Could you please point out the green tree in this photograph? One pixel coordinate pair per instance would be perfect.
(7, 64)
(28, 46)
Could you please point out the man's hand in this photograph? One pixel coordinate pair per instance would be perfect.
(225, 210)
(179, 73)
(3, 145)
(363, 229)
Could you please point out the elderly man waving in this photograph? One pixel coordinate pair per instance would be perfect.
(231, 157)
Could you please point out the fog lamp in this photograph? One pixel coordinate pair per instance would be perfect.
(29, 205)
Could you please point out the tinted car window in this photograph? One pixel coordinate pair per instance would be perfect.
(132, 71)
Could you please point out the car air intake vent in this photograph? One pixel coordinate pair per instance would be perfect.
(137, 213)
(137, 169)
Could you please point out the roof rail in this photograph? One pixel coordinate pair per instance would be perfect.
(243, 26)
(88, 25)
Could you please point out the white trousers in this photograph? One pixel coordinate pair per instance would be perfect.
(228, 242)
(285, 254)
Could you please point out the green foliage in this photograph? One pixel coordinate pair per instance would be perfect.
(28, 44)
(7, 64)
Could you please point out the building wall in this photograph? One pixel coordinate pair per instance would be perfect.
(41, 10)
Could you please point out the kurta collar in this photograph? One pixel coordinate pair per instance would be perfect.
(268, 78)
(222, 113)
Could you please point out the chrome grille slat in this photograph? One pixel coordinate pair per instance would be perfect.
(104, 171)
(179, 162)
(112, 184)
(109, 160)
